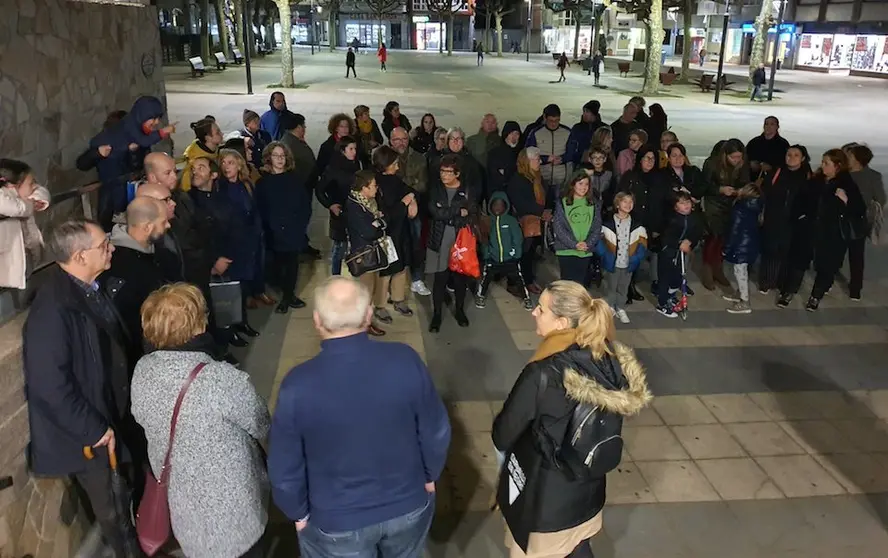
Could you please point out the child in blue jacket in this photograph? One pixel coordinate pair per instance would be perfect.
(622, 248)
(502, 251)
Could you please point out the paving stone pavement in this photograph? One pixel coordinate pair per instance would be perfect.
(767, 436)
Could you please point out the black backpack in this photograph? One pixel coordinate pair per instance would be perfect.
(593, 442)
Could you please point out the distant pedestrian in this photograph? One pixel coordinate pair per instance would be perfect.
(703, 54)
(350, 63)
(563, 63)
(356, 44)
(597, 62)
(480, 54)
(758, 80)
(327, 474)
(382, 54)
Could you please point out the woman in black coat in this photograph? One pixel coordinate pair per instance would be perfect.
(802, 226)
(366, 224)
(422, 139)
(581, 363)
(285, 206)
(392, 118)
(841, 218)
(339, 126)
(780, 188)
(653, 199)
(398, 203)
(332, 191)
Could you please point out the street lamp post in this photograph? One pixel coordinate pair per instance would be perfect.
(527, 30)
(776, 48)
(245, 24)
(311, 19)
(721, 51)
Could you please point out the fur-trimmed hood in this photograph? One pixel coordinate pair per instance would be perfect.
(616, 383)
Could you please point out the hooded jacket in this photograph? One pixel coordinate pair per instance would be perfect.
(502, 160)
(121, 162)
(742, 244)
(505, 240)
(573, 375)
(271, 119)
(333, 189)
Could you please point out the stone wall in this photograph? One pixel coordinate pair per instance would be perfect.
(63, 66)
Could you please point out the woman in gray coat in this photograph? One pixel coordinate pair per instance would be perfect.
(218, 491)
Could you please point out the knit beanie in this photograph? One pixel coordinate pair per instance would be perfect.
(249, 116)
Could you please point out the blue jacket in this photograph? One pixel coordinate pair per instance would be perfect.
(245, 236)
(285, 206)
(270, 122)
(506, 239)
(357, 432)
(607, 246)
(121, 161)
(743, 244)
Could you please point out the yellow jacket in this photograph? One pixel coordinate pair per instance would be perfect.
(192, 152)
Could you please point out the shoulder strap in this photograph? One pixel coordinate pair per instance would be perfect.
(776, 176)
(164, 473)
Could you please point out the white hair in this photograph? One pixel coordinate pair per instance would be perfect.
(341, 303)
(455, 130)
(532, 152)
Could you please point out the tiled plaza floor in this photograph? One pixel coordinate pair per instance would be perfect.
(767, 437)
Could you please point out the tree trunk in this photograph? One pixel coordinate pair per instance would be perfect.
(759, 42)
(499, 34)
(331, 28)
(286, 43)
(487, 16)
(205, 31)
(655, 51)
(440, 33)
(238, 24)
(450, 34)
(686, 43)
(221, 24)
(576, 14)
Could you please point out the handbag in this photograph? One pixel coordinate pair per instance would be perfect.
(226, 298)
(464, 254)
(153, 526)
(531, 226)
(368, 259)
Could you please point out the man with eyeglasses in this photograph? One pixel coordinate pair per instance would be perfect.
(76, 377)
(170, 255)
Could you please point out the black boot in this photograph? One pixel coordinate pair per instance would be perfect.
(461, 319)
(234, 340)
(435, 324)
(246, 330)
(634, 294)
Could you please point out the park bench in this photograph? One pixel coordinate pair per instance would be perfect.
(238, 57)
(668, 78)
(624, 68)
(197, 66)
(707, 81)
(220, 60)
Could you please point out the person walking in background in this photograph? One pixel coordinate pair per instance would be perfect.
(480, 50)
(758, 81)
(219, 487)
(361, 501)
(350, 63)
(702, 55)
(742, 244)
(563, 63)
(597, 63)
(382, 54)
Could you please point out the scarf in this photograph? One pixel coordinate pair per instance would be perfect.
(365, 127)
(557, 341)
(368, 204)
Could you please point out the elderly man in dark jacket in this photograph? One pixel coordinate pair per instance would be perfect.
(502, 159)
(137, 131)
(76, 378)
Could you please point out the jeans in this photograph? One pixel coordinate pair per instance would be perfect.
(401, 537)
(669, 272)
(338, 253)
(417, 271)
(756, 92)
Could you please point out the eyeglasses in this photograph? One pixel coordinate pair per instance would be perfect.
(278, 156)
(103, 246)
(448, 171)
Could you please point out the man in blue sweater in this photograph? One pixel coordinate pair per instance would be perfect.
(271, 119)
(358, 439)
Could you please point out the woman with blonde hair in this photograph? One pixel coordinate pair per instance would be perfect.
(528, 196)
(579, 363)
(218, 486)
(245, 232)
(284, 202)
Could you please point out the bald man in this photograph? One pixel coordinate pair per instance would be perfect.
(160, 168)
(169, 253)
(135, 270)
(486, 139)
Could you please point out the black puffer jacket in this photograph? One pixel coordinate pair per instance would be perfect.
(442, 212)
(333, 189)
(470, 170)
(779, 191)
(653, 199)
(835, 216)
(618, 385)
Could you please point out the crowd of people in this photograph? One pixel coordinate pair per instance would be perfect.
(134, 310)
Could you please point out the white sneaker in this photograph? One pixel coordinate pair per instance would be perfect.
(622, 316)
(420, 288)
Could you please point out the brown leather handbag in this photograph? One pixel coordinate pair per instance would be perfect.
(531, 226)
(153, 518)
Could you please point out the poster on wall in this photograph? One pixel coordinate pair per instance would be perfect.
(827, 47)
(806, 41)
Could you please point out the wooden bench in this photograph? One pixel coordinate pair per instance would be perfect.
(238, 57)
(624, 68)
(197, 66)
(220, 60)
(668, 78)
(705, 82)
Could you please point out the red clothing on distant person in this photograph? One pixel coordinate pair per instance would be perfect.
(382, 54)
